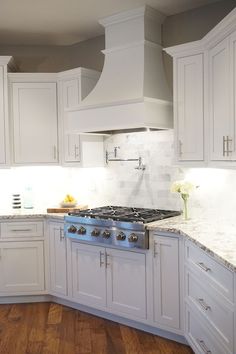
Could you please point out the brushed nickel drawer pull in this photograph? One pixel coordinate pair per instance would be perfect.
(62, 235)
(228, 140)
(155, 253)
(101, 254)
(76, 151)
(106, 257)
(203, 266)
(203, 305)
(224, 143)
(180, 148)
(21, 230)
(203, 346)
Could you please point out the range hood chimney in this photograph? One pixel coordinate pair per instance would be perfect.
(132, 92)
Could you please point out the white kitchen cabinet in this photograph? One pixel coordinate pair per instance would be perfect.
(166, 281)
(57, 259)
(4, 126)
(108, 278)
(21, 268)
(209, 302)
(189, 107)
(221, 118)
(73, 86)
(88, 275)
(34, 119)
(126, 280)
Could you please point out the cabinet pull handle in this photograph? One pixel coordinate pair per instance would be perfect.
(228, 140)
(21, 230)
(180, 148)
(76, 151)
(203, 346)
(224, 143)
(203, 266)
(54, 152)
(203, 304)
(106, 259)
(101, 254)
(62, 234)
(155, 253)
(0, 253)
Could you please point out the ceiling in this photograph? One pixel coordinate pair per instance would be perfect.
(65, 22)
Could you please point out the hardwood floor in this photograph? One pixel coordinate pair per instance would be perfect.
(46, 328)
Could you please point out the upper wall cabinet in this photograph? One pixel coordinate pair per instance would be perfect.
(4, 132)
(34, 118)
(204, 97)
(73, 86)
(189, 118)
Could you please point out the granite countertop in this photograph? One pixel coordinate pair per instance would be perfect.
(30, 213)
(217, 237)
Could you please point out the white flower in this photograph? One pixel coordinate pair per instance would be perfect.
(182, 187)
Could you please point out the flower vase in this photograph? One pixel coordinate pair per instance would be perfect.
(185, 210)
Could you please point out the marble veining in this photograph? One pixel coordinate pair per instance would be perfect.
(29, 214)
(217, 237)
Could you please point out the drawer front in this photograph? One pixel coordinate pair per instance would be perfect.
(221, 278)
(199, 336)
(21, 229)
(220, 317)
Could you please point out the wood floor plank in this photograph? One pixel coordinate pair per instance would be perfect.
(45, 328)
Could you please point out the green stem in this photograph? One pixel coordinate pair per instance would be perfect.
(185, 209)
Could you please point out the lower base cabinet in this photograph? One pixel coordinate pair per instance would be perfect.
(109, 278)
(166, 281)
(21, 267)
(57, 259)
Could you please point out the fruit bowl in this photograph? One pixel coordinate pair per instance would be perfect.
(68, 204)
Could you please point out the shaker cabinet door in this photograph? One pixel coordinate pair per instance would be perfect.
(21, 268)
(220, 114)
(189, 116)
(166, 281)
(34, 109)
(57, 259)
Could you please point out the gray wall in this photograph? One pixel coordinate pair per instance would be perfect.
(180, 28)
(190, 26)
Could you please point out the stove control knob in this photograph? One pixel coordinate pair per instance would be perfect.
(133, 238)
(106, 234)
(72, 229)
(121, 236)
(95, 232)
(81, 231)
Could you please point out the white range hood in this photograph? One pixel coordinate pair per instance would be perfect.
(132, 91)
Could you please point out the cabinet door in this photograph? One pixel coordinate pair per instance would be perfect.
(3, 118)
(88, 275)
(21, 267)
(35, 122)
(126, 283)
(72, 148)
(57, 252)
(166, 281)
(221, 119)
(189, 108)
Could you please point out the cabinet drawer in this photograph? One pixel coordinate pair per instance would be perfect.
(215, 274)
(199, 336)
(211, 306)
(19, 229)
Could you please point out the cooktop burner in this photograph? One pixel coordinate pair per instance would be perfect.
(120, 213)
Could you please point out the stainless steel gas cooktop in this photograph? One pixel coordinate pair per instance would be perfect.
(114, 225)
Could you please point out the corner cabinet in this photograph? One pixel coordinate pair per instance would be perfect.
(205, 99)
(4, 125)
(34, 118)
(78, 150)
